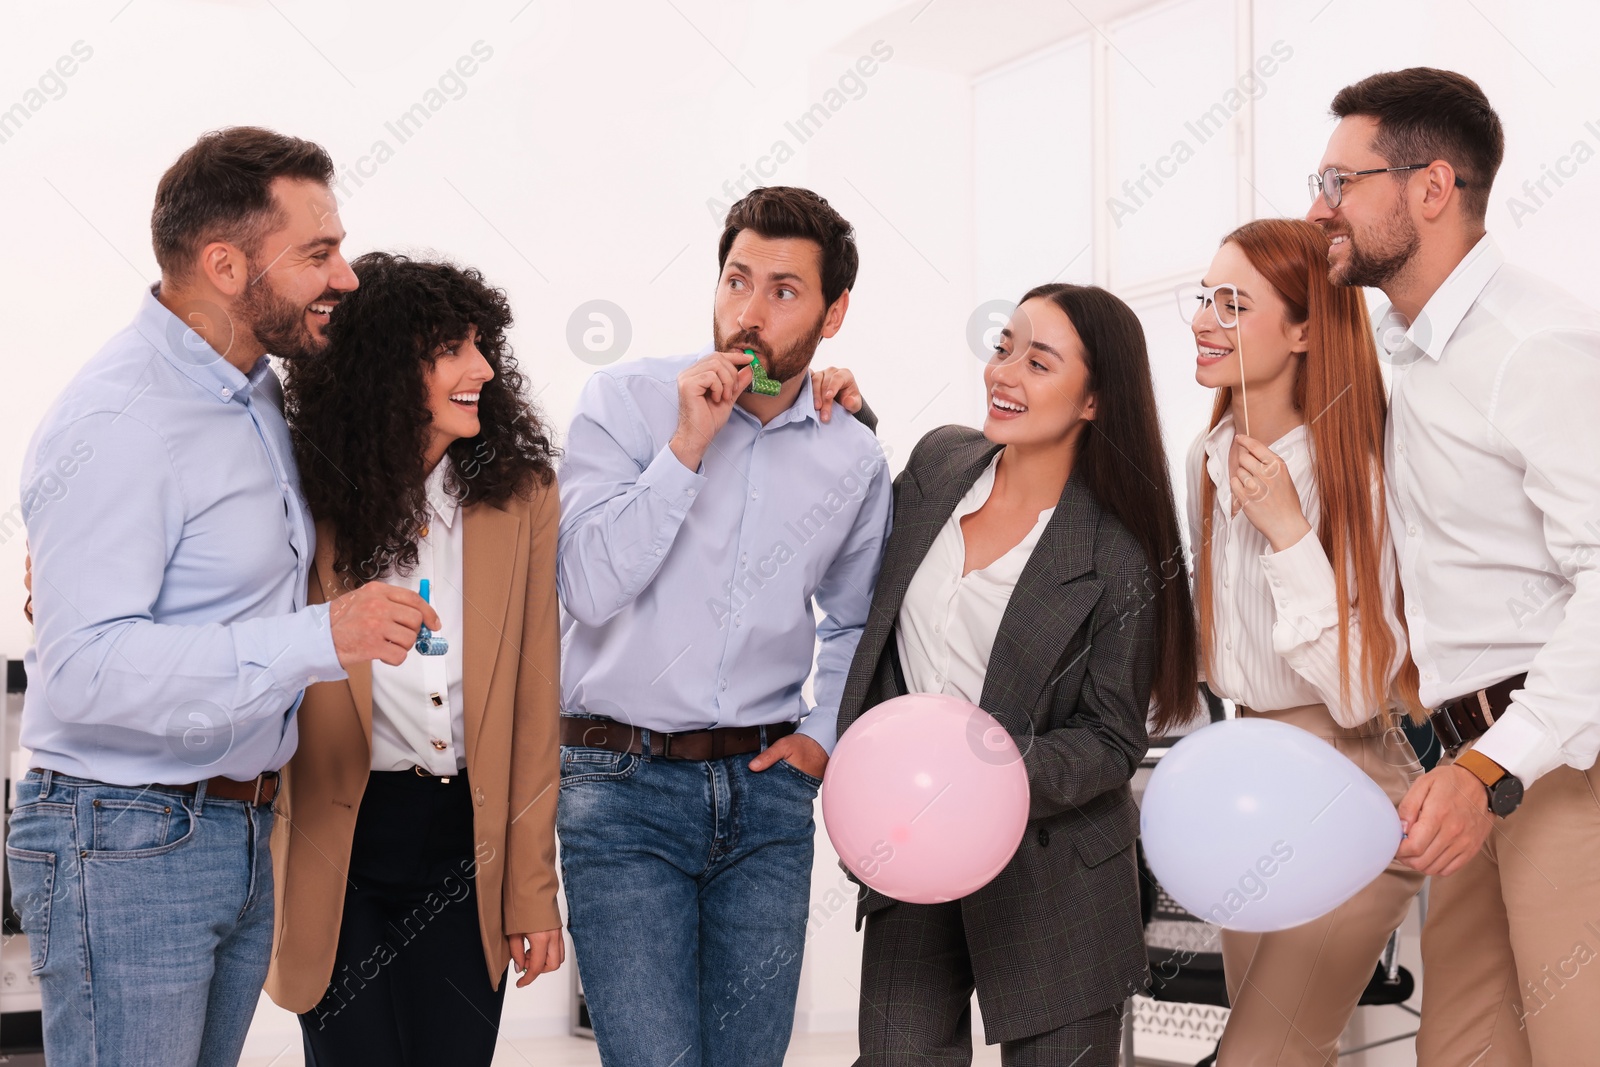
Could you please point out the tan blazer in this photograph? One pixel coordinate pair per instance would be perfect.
(511, 688)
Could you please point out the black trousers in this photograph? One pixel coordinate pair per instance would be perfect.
(410, 987)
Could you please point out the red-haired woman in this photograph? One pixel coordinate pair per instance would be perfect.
(1295, 585)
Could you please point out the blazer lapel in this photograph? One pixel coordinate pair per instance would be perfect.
(917, 523)
(489, 548)
(1049, 603)
(358, 676)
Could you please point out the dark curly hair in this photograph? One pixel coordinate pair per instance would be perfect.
(359, 418)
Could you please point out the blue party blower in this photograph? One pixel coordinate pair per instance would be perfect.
(427, 643)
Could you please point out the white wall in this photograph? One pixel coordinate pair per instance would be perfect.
(578, 162)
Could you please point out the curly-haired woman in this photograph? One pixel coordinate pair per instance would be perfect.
(415, 851)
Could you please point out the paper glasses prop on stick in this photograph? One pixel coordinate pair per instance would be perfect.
(1257, 825)
(925, 798)
(1223, 300)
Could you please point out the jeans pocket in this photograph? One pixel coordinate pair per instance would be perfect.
(33, 881)
(581, 764)
(123, 827)
(814, 783)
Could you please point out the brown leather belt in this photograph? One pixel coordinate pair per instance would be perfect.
(260, 790)
(613, 736)
(1469, 718)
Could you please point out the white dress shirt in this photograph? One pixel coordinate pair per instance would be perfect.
(417, 706)
(948, 621)
(1493, 451)
(1275, 614)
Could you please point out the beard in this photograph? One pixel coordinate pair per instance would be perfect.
(279, 324)
(793, 360)
(1378, 257)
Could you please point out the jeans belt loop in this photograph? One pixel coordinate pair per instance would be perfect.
(46, 777)
(200, 796)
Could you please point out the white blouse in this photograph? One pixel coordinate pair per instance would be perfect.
(948, 621)
(1276, 619)
(417, 710)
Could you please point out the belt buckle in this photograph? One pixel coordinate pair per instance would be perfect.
(1455, 740)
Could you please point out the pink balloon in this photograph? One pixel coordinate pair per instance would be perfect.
(925, 798)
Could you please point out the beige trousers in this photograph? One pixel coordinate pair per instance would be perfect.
(1293, 991)
(1511, 949)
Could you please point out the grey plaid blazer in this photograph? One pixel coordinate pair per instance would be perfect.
(1057, 934)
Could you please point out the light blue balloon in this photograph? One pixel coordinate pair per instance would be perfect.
(1257, 825)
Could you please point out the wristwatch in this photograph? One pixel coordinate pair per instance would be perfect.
(1505, 788)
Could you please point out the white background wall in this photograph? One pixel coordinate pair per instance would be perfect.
(578, 161)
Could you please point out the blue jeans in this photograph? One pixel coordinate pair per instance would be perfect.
(149, 919)
(687, 885)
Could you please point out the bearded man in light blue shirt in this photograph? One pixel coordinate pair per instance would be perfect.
(170, 548)
(703, 525)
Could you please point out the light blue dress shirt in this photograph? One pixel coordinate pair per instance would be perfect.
(171, 548)
(690, 597)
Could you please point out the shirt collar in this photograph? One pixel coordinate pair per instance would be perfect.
(983, 488)
(187, 351)
(1221, 436)
(440, 499)
(1450, 303)
(803, 407)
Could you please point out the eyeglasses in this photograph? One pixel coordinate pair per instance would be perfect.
(1330, 183)
(1223, 300)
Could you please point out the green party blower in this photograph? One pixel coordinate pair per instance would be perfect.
(760, 383)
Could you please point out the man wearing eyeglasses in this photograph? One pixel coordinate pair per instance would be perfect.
(1494, 501)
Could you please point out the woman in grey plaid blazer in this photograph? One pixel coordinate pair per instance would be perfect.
(1035, 569)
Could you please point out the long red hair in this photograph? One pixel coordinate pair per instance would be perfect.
(1338, 387)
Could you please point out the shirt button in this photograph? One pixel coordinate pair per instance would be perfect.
(754, 494)
(744, 557)
(1412, 529)
(312, 680)
(1228, 645)
(723, 685)
(935, 627)
(659, 551)
(227, 394)
(438, 745)
(1428, 675)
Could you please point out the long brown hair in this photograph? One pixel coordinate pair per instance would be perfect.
(1338, 382)
(1124, 466)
